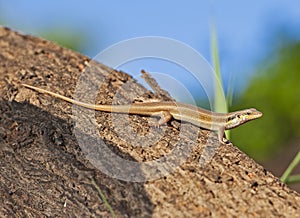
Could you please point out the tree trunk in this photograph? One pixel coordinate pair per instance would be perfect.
(55, 164)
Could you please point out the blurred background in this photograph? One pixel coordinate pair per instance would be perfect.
(259, 51)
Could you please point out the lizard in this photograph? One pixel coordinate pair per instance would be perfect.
(167, 110)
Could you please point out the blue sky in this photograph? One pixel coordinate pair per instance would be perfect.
(246, 29)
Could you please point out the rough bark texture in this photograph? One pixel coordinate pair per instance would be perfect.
(44, 172)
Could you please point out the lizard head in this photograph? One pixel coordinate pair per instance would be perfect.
(237, 118)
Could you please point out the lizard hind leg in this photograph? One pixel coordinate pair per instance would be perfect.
(164, 118)
(222, 136)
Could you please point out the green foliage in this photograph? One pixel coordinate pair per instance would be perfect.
(65, 37)
(275, 90)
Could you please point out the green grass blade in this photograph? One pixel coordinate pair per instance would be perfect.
(284, 178)
(220, 104)
(103, 198)
(293, 179)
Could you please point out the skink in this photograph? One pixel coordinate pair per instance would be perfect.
(167, 110)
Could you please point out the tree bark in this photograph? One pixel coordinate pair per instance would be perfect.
(45, 172)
